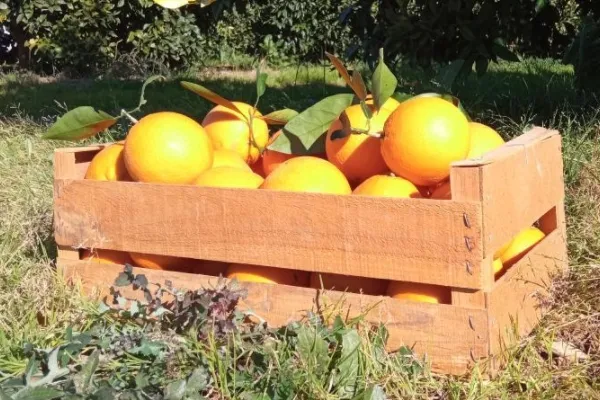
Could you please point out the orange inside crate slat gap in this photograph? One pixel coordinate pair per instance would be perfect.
(448, 243)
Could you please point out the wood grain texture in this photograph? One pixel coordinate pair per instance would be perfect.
(450, 337)
(520, 182)
(72, 163)
(399, 239)
(466, 186)
(518, 295)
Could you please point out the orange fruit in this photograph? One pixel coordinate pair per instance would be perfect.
(167, 147)
(230, 129)
(108, 165)
(422, 137)
(155, 261)
(271, 275)
(502, 250)
(229, 158)
(345, 283)
(209, 267)
(419, 292)
(387, 186)
(101, 256)
(357, 155)
(497, 266)
(271, 159)
(307, 174)
(520, 245)
(257, 168)
(483, 140)
(442, 191)
(230, 177)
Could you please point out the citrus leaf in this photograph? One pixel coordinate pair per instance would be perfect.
(503, 52)
(210, 95)
(366, 110)
(359, 85)
(304, 133)
(340, 68)
(279, 117)
(400, 97)
(261, 84)
(447, 75)
(384, 82)
(80, 123)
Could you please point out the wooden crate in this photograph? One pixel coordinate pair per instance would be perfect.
(449, 243)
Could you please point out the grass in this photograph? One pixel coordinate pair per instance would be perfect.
(37, 306)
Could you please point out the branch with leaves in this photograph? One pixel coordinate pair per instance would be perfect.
(85, 121)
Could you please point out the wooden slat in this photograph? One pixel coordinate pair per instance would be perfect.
(519, 182)
(72, 163)
(450, 337)
(517, 295)
(466, 186)
(399, 239)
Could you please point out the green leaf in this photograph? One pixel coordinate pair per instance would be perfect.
(83, 379)
(447, 75)
(366, 110)
(104, 393)
(401, 97)
(80, 123)
(261, 84)
(500, 50)
(175, 390)
(197, 381)
(31, 369)
(348, 364)
(146, 83)
(313, 350)
(124, 279)
(38, 393)
(540, 4)
(141, 380)
(210, 96)
(279, 117)
(304, 133)
(373, 393)
(384, 82)
(148, 348)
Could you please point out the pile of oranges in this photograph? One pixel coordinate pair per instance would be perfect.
(403, 150)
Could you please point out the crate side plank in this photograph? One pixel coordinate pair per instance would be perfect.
(518, 189)
(518, 295)
(399, 239)
(451, 337)
(466, 186)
